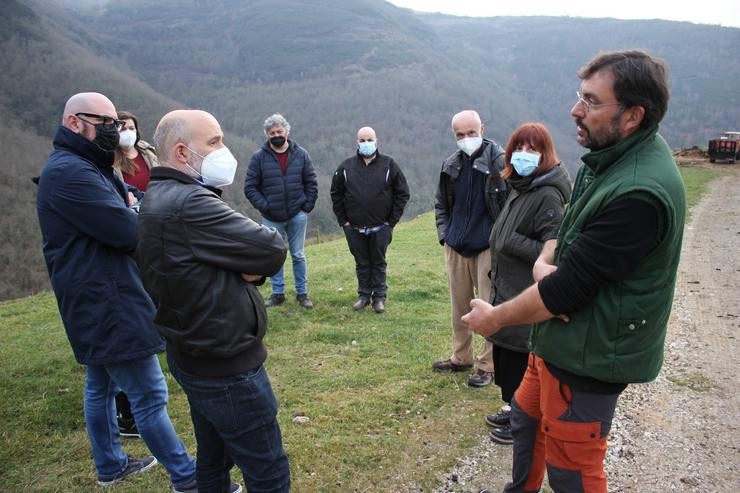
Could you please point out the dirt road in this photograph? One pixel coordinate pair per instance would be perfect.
(680, 433)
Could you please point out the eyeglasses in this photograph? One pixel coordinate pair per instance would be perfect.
(106, 120)
(591, 106)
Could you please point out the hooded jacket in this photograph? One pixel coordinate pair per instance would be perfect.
(193, 250)
(89, 236)
(530, 217)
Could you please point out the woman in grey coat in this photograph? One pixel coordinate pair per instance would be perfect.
(540, 188)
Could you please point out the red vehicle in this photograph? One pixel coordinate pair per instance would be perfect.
(725, 148)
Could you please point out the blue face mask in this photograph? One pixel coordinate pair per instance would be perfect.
(367, 148)
(525, 163)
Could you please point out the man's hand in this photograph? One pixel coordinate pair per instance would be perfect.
(131, 199)
(545, 263)
(251, 277)
(481, 318)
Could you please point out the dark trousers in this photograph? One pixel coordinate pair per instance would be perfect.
(369, 253)
(508, 370)
(234, 420)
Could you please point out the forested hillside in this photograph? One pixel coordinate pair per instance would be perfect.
(330, 67)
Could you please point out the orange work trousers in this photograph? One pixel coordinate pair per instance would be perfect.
(561, 430)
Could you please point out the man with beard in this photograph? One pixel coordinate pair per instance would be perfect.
(89, 236)
(604, 291)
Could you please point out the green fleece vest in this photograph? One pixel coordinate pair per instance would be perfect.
(619, 336)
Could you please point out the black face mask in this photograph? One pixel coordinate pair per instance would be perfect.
(277, 141)
(106, 137)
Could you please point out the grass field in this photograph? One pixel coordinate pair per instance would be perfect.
(380, 419)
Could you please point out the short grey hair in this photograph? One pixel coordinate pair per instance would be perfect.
(168, 134)
(276, 119)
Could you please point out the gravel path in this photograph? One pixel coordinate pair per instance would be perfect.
(680, 433)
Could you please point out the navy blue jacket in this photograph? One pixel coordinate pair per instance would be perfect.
(279, 197)
(89, 236)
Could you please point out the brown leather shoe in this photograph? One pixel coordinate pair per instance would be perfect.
(448, 365)
(379, 306)
(361, 303)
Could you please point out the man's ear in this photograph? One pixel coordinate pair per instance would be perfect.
(181, 153)
(73, 123)
(482, 129)
(632, 118)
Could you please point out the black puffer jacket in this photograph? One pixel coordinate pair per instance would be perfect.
(192, 251)
(280, 196)
(531, 216)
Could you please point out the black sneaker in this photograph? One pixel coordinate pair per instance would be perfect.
(480, 378)
(304, 301)
(134, 467)
(499, 419)
(127, 428)
(448, 365)
(502, 435)
(275, 300)
(192, 487)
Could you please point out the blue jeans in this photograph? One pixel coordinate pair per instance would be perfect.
(294, 230)
(143, 382)
(235, 422)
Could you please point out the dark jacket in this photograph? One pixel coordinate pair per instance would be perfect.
(489, 161)
(192, 251)
(530, 217)
(619, 336)
(279, 197)
(89, 236)
(368, 195)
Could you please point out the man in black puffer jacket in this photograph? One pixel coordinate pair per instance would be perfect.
(281, 184)
(200, 260)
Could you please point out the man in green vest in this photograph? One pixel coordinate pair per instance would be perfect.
(604, 287)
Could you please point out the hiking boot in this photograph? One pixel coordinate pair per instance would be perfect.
(500, 419)
(275, 300)
(361, 303)
(127, 428)
(448, 365)
(304, 301)
(480, 378)
(192, 487)
(134, 467)
(502, 435)
(379, 305)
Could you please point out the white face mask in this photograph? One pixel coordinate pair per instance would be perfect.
(127, 138)
(469, 144)
(218, 167)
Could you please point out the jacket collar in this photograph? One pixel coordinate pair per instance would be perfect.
(160, 173)
(67, 140)
(482, 160)
(602, 159)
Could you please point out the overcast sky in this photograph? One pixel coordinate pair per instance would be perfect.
(716, 12)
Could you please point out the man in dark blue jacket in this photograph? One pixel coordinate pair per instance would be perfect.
(89, 236)
(281, 184)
